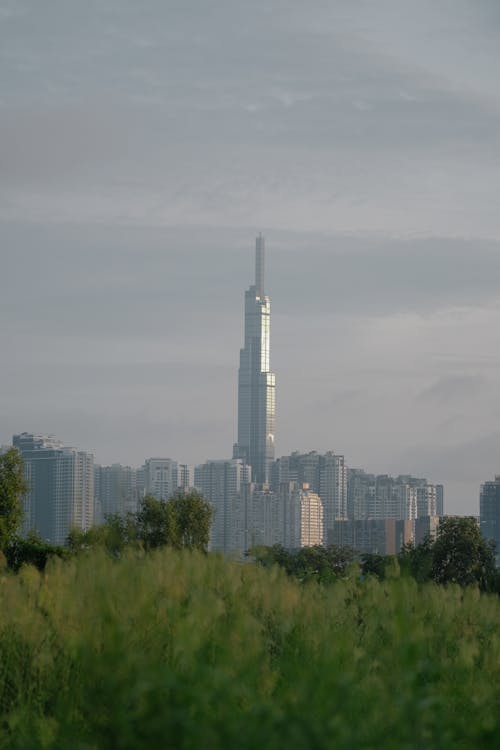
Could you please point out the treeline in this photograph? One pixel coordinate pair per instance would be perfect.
(459, 554)
(182, 522)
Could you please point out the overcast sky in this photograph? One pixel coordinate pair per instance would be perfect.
(142, 147)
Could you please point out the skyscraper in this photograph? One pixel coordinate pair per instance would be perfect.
(160, 477)
(489, 509)
(115, 491)
(61, 487)
(256, 383)
(221, 482)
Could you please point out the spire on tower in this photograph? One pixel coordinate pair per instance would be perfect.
(259, 265)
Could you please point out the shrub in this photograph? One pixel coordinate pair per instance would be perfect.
(184, 650)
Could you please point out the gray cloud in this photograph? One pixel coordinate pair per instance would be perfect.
(141, 148)
(451, 388)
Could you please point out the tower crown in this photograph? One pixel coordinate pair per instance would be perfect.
(259, 265)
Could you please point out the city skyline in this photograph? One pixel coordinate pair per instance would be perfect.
(143, 147)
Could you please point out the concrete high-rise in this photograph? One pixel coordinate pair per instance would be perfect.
(221, 482)
(489, 513)
(159, 478)
(115, 491)
(61, 487)
(302, 516)
(325, 474)
(256, 383)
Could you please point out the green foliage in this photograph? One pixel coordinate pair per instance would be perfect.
(116, 535)
(461, 554)
(31, 551)
(375, 565)
(191, 518)
(12, 486)
(182, 522)
(318, 563)
(177, 650)
(155, 522)
(416, 560)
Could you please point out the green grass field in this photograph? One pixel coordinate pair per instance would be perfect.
(180, 650)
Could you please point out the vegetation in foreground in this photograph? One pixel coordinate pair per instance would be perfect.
(459, 554)
(184, 650)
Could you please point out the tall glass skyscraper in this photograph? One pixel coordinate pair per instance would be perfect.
(256, 384)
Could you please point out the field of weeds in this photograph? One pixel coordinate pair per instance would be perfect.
(186, 651)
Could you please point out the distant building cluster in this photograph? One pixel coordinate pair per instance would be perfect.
(298, 500)
(313, 499)
(68, 490)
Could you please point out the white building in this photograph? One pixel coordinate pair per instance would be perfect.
(257, 519)
(159, 477)
(61, 487)
(302, 516)
(115, 491)
(326, 475)
(333, 488)
(221, 482)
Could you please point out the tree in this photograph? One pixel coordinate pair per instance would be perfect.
(183, 522)
(317, 563)
(461, 554)
(417, 560)
(117, 533)
(32, 551)
(155, 523)
(190, 521)
(12, 486)
(375, 565)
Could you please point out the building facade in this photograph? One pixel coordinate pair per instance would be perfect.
(257, 520)
(302, 516)
(115, 491)
(489, 513)
(61, 487)
(159, 478)
(256, 382)
(325, 474)
(221, 483)
(372, 536)
(377, 497)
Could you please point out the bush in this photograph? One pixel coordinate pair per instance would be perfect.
(184, 650)
(31, 551)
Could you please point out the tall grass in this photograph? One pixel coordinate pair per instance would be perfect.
(186, 651)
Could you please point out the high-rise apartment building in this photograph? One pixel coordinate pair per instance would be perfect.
(257, 518)
(404, 497)
(159, 477)
(489, 512)
(292, 517)
(61, 487)
(221, 482)
(325, 474)
(115, 491)
(302, 516)
(439, 500)
(333, 488)
(256, 382)
(184, 477)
